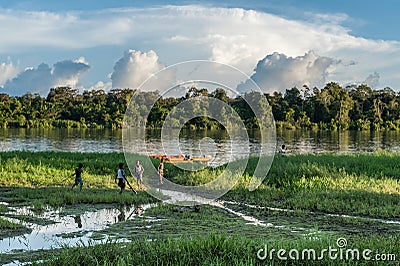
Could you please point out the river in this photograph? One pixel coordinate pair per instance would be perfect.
(212, 141)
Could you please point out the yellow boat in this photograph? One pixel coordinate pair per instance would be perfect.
(194, 159)
(180, 158)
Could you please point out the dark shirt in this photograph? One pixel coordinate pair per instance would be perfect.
(78, 172)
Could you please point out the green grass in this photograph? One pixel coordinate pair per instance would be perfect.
(8, 228)
(213, 250)
(3, 208)
(39, 198)
(4, 224)
(363, 184)
(38, 169)
(30, 219)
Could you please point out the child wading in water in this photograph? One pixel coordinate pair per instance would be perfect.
(161, 170)
(139, 173)
(78, 176)
(121, 177)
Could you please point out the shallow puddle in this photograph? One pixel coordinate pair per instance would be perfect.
(249, 219)
(68, 230)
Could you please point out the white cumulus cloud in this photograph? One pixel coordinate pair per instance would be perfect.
(7, 71)
(134, 68)
(41, 79)
(277, 72)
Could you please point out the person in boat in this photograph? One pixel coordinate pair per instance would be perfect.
(121, 176)
(187, 157)
(161, 170)
(78, 176)
(282, 150)
(139, 173)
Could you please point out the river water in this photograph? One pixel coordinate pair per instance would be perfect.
(214, 141)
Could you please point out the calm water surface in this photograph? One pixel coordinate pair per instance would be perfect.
(196, 143)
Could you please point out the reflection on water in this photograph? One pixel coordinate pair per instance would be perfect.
(75, 140)
(197, 143)
(67, 230)
(339, 142)
(78, 221)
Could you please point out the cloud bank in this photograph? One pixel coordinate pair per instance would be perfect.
(41, 79)
(278, 72)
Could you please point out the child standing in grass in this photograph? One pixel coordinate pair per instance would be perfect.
(139, 173)
(161, 170)
(78, 176)
(121, 177)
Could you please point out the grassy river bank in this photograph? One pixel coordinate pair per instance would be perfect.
(305, 202)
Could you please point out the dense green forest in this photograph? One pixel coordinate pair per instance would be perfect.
(332, 107)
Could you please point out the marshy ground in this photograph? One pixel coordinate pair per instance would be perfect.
(306, 201)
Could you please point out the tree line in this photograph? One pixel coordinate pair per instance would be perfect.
(64, 107)
(332, 107)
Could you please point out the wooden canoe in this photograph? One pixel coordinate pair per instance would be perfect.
(195, 159)
(180, 158)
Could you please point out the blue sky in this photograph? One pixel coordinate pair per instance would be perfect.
(104, 44)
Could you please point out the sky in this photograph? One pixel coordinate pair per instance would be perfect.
(119, 44)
